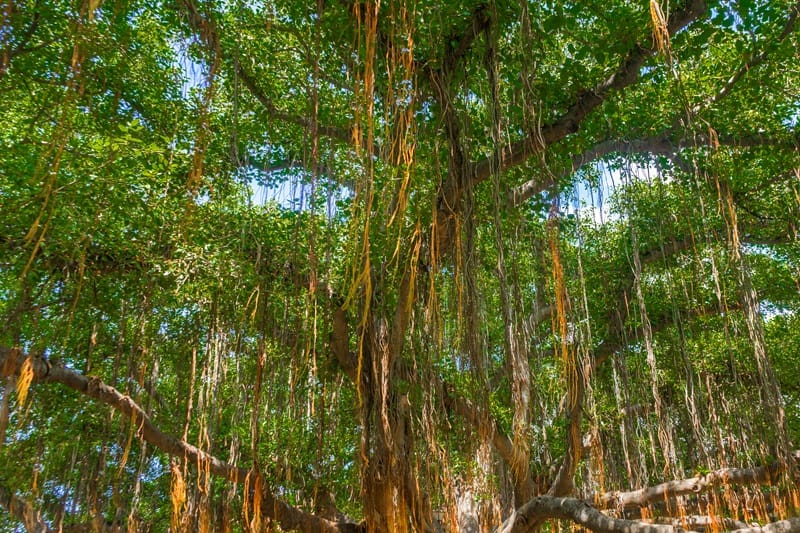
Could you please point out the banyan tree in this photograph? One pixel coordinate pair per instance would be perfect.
(393, 265)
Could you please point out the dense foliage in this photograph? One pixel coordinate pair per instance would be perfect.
(398, 265)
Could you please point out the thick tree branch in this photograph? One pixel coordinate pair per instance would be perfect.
(452, 188)
(792, 525)
(668, 143)
(695, 485)
(530, 188)
(544, 508)
(662, 144)
(698, 523)
(205, 28)
(463, 42)
(467, 410)
(290, 518)
(463, 174)
(586, 101)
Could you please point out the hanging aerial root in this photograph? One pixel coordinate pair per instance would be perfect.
(24, 380)
(571, 371)
(128, 444)
(254, 484)
(660, 29)
(560, 317)
(748, 296)
(207, 32)
(177, 495)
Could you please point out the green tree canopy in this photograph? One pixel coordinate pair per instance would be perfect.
(399, 266)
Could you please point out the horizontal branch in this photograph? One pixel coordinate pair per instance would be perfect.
(290, 518)
(792, 525)
(544, 508)
(698, 522)
(667, 143)
(344, 135)
(694, 485)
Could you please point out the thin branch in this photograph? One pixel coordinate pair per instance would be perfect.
(273, 24)
(207, 31)
(340, 134)
(287, 516)
(22, 46)
(788, 29)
